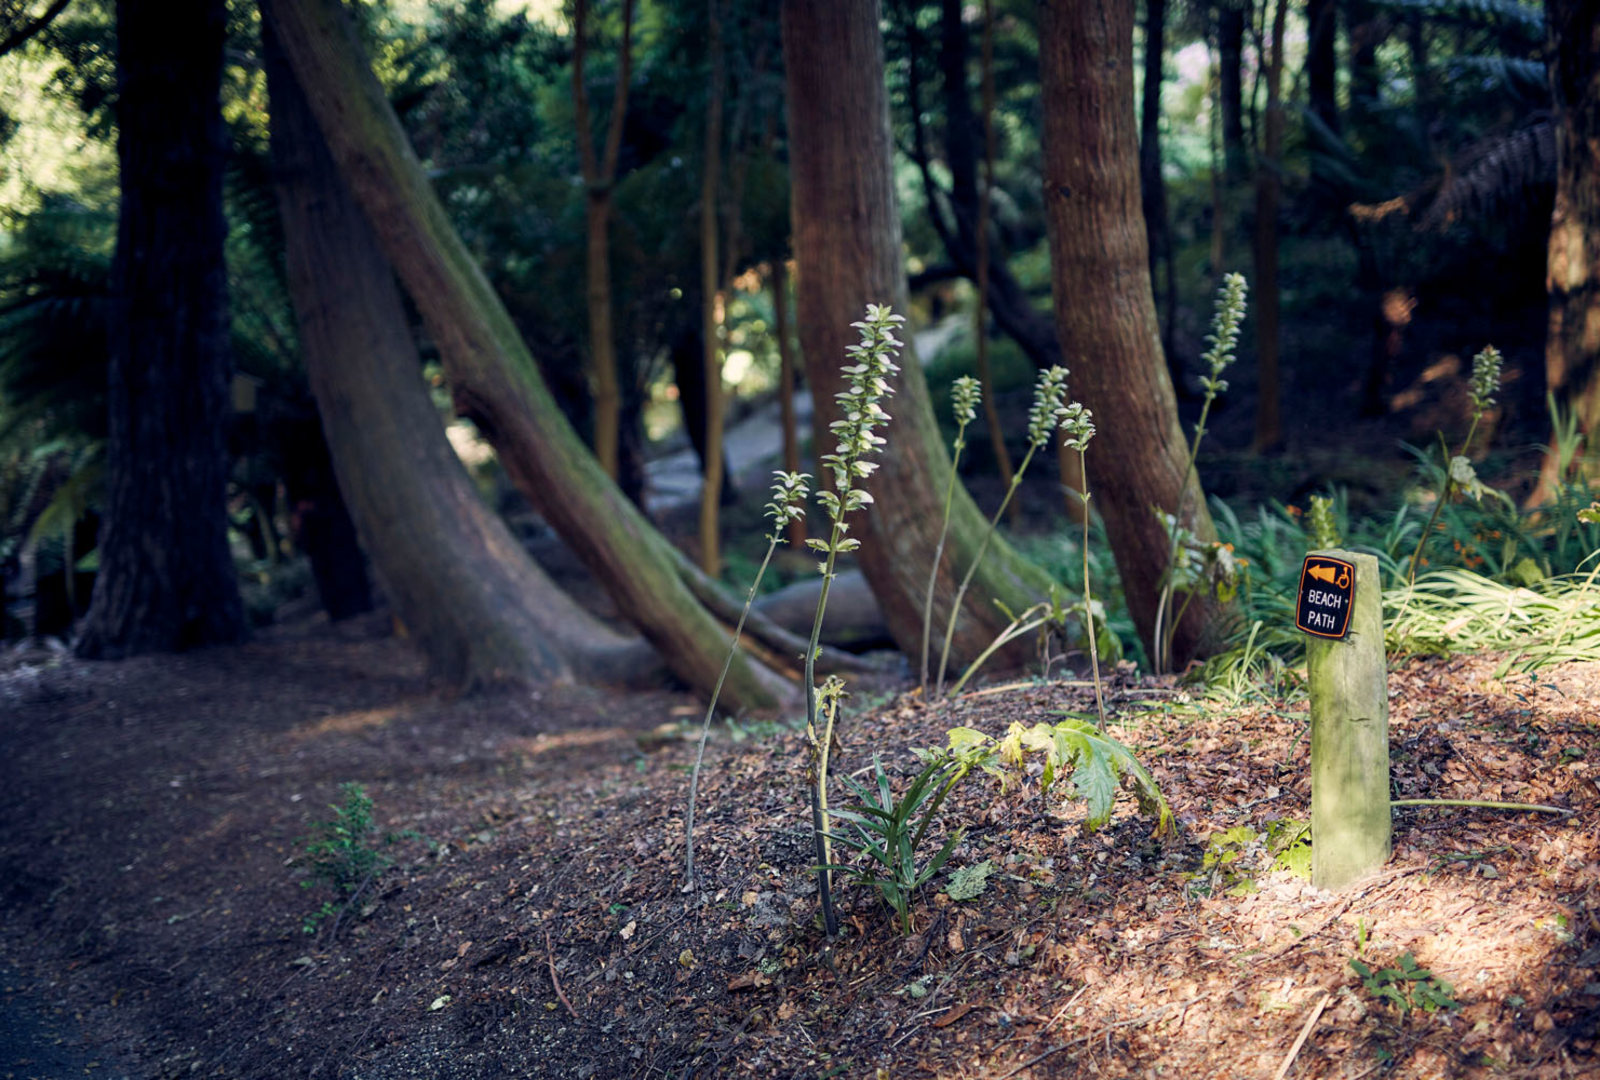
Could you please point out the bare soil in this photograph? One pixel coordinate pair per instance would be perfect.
(151, 908)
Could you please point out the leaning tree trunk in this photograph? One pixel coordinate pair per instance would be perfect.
(470, 596)
(1104, 306)
(847, 245)
(166, 575)
(492, 377)
(1572, 342)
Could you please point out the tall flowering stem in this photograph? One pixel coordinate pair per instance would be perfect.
(964, 398)
(1077, 428)
(1048, 393)
(860, 414)
(1224, 340)
(789, 491)
(1459, 472)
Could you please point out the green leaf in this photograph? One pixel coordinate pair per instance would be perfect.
(969, 881)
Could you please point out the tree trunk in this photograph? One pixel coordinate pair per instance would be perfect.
(1269, 182)
(980, 323)
(1230, 65)
(1322, 70)
(710, 301)
(1572, 342)
(1367, 30)
(323, 529)
(1322, 74)
(166, 575)
(476, 604)
(786, 379)
(493, 378)
(599, 174)
(1013, 311)
(1152, 185)
(847, 244)
(1104, 307)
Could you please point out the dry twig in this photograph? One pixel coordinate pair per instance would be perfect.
(1305, 1032)
(550, 957)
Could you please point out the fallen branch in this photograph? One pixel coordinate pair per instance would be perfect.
(1484, 804)
(550, 957)
(1305, 1032)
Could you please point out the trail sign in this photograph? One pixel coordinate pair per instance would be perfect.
(1327, 596)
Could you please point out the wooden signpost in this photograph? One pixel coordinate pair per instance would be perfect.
(1341, 606)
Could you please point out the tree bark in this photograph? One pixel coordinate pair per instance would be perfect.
(166, 578)
(847, 244)
(1269, 182)
(1572, 276)
(476, 604)
(599, 174)
(1104, 308)
(493, 379)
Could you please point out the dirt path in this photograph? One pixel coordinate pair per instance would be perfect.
(156, 809)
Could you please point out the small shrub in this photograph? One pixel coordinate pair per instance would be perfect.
(345, 853)
(1405, 985)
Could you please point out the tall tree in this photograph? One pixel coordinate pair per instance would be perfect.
(1269, 184)
(495, 381)
(1152, 185)
(479, 608)
(599, 175)
(847, 245)
(711, 301)
(1013, 311)
(166, 575)
(1104, 307)
(980, 321)
(1572, 342)
(1322, 75)
(1230, 79)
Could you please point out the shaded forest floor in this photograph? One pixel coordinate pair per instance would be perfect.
(150, 906)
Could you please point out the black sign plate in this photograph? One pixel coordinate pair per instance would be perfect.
(1327, 595)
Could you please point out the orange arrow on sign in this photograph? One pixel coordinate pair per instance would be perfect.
(1323, 573)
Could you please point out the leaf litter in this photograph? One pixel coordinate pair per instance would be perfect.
(544, 932)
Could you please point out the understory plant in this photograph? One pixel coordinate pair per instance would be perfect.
(346, 853)
(1042, 418)
(965, 396)
(789, 491)
(1459, 473)
(856, 438)
(1185, 573)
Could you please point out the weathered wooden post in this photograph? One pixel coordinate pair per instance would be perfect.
(1341, 606)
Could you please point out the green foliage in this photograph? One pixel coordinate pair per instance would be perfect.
(856, 438)
(1092, 765)
(1405, 985)
(1233, 857)
(1192, 563)
(965, 395)
(969, 882)
(1043, 416)
(346, 854)
(888, 830)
